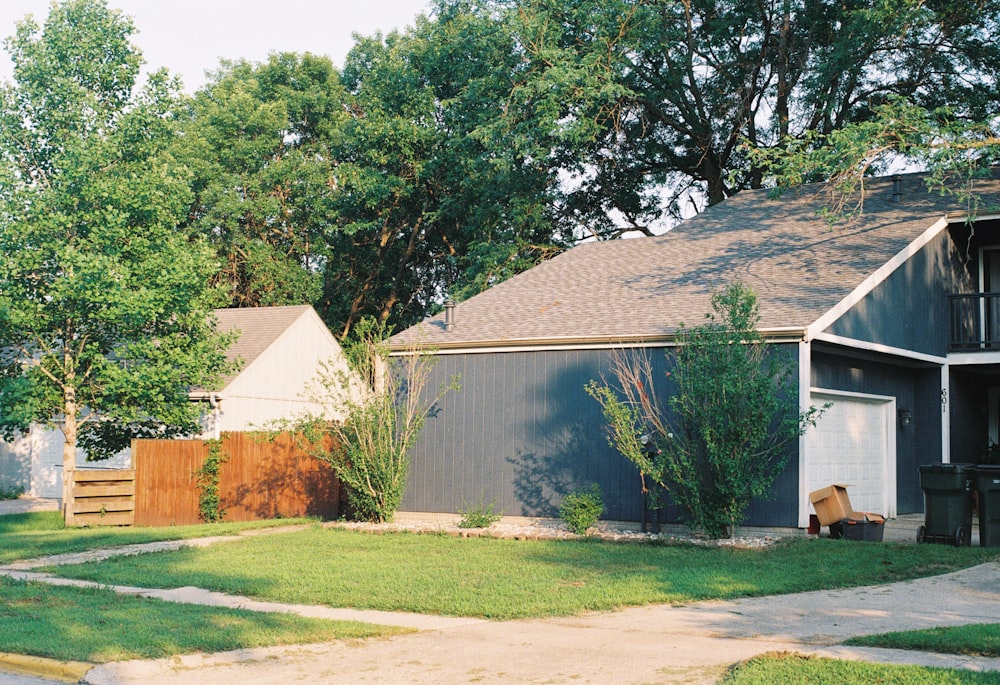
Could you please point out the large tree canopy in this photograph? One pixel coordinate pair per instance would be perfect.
(104, 305)
(374, 191)
(643, 101)
(259, 140)
(431, 204)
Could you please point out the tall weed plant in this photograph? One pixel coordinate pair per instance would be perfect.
(383, 406)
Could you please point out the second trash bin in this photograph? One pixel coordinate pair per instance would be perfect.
(987, 481)
(947, 503)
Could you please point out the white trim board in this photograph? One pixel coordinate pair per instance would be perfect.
(856, 344)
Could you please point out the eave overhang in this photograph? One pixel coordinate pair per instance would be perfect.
(772, 335)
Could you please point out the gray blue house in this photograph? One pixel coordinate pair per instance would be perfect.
(893, 317)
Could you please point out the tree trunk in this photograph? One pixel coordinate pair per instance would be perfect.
(69, 454)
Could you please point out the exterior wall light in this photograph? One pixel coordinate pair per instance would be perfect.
(905, 417)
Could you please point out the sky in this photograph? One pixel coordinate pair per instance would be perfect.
(189, 37)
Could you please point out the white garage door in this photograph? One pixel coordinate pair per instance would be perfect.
(853, 443)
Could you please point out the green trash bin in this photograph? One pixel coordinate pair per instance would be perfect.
(987, 481)
(947, 503)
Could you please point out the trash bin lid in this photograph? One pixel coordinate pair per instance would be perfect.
(947, 468)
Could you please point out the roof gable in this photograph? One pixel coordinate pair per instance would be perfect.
(259, 329)
(800, 265)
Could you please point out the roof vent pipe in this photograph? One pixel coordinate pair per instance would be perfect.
(449, 315)
(897, 189)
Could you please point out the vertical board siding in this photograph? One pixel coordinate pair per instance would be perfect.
(260, 479)
(523, 433)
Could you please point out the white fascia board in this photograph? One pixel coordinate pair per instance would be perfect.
(973, 358)
(883, 349)
(876, 278)
(770, 335)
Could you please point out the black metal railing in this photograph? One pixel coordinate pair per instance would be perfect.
(975, 321)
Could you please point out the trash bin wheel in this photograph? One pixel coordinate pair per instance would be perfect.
(921, 534)
(961, 539)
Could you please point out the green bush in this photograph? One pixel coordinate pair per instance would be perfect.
(10, 491)
(581, 509)
(481, 515)
(384, 405)
(724, 435)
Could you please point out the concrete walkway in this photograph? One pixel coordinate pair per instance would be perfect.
(662, 644)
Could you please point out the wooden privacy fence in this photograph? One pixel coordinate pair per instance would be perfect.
(102, 497)
(260, 479)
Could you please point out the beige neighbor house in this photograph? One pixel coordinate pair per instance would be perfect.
(281, 350)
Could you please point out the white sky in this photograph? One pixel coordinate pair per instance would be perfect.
(189, 37)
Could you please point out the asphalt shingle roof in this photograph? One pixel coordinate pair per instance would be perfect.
(799, 264)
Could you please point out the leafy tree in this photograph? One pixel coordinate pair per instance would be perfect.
(954, 151)
(259, 141)
(373, 191)
(104, 305)
(731, 416)
(430, 202)
(647, 104)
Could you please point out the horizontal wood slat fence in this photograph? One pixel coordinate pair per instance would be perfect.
(102, 497)
(260, 479)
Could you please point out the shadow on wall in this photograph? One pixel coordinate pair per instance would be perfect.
(565, 446)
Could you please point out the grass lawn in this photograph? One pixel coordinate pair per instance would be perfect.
(975, 640)
(98, 625)
(768, 669)
(26, 536)
(508, 579)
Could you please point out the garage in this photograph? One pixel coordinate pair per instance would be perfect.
(854, 444)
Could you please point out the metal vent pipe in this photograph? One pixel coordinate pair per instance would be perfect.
(449, 315)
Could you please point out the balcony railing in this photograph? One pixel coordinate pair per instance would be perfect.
(975, 322)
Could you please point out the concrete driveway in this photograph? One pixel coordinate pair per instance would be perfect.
(656, 644)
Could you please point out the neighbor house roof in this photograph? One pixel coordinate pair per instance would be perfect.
(259, 328)
(800, 265)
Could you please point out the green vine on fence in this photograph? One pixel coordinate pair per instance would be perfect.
(207, 481)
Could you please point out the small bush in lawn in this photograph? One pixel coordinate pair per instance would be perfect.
(481, 515)
(10, 491)
(581, 509)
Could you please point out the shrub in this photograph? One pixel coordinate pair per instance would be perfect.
(581, 509)
(10, 491)
(384, 406)
(481, 515)
(731, 417)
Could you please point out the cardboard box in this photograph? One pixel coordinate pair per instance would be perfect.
(832, 504)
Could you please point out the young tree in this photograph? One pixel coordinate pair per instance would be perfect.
(385, 404)
(105, 313)
(731, 416)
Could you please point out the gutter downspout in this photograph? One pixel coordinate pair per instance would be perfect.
(214, 401)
